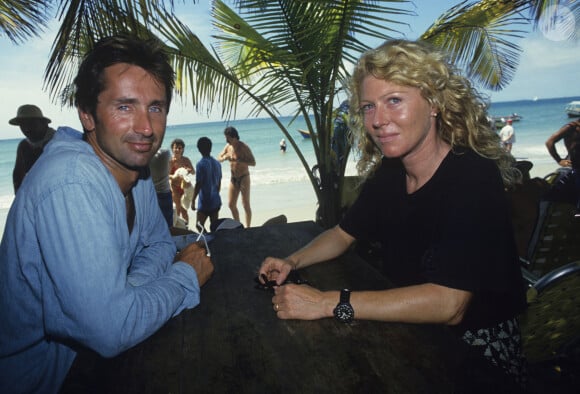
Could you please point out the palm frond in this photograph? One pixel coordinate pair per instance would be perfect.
(200, 74)
(480, 39)
(305, 43)
(20, 20)
(84, 22)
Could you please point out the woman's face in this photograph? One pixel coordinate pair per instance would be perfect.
(177, 150)
(398, 119)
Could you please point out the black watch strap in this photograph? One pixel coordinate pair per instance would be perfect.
(345, 296)
(343, 311)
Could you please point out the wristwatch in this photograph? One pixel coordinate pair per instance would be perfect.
(343, 311)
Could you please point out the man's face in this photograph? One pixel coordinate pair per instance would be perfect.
(131, 116)
(34, 129)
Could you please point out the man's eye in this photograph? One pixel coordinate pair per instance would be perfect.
(156, 109)
(123, 107)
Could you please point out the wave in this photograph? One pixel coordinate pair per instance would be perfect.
(6, 201)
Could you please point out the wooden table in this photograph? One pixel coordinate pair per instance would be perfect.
(234, 343)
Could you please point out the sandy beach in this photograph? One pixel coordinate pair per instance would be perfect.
(295, 200)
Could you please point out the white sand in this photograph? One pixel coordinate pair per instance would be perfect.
(297, 200)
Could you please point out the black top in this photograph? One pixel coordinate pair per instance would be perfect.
(455, 231)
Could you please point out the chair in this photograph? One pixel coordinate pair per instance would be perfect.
(551, 324)
(546, 232)
(548, 240)
(555, 240)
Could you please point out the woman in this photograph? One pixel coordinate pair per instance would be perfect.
(177, 181)
(433, 199)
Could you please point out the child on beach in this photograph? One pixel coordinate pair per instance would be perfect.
(208, 181)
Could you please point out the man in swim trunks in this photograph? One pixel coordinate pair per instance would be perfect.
(240, 157)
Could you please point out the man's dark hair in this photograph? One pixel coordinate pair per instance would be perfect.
(204, 146)
(147, 54)
(231, 131)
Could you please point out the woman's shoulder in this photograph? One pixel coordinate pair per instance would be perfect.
(465, 167)
(467, 160)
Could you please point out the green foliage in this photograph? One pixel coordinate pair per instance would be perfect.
(280, 56)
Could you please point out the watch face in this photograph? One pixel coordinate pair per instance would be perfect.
(344, 313)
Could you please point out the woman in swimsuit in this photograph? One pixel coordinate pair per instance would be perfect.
(177, 161)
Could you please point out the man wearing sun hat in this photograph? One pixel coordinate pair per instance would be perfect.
(34, 126)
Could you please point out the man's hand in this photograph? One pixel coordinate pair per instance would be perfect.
(565, 163)
(195, 255)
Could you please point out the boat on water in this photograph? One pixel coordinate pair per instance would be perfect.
(573, 109)
(500, 121)
(304, 133)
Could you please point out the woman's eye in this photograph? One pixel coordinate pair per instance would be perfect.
(366, 108)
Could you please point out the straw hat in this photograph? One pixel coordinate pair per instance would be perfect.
(27, 111)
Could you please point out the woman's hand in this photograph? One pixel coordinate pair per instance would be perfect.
(303, 302)
(275, 269)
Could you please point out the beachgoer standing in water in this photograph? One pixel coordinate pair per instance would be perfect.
(240, 157)
(507, 136)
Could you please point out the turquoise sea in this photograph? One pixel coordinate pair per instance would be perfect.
(279, 181)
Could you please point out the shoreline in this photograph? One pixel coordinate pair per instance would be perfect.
(296, 200)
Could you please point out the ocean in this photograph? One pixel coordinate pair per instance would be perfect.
(280, 184)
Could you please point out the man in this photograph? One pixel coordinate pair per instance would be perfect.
(87, 259)
(507, 136)
(240, 157)
(570, 183)
(208, 179)
(35, 128)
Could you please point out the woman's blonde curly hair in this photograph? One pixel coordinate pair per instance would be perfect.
(462, 120)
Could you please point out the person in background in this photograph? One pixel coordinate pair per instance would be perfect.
(283, 145)
(159, 168)
(208, 180)
(569, 185)
(178, 183)
(507, 136)
(240, 157)
(87, 259)
(434, 199)
(34, 126)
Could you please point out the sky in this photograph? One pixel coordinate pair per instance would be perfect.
(549, 66)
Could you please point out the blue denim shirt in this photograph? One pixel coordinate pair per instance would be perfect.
(71, 273)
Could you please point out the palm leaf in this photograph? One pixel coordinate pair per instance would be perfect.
(86, 21)
(480, 39)
(20, 20)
